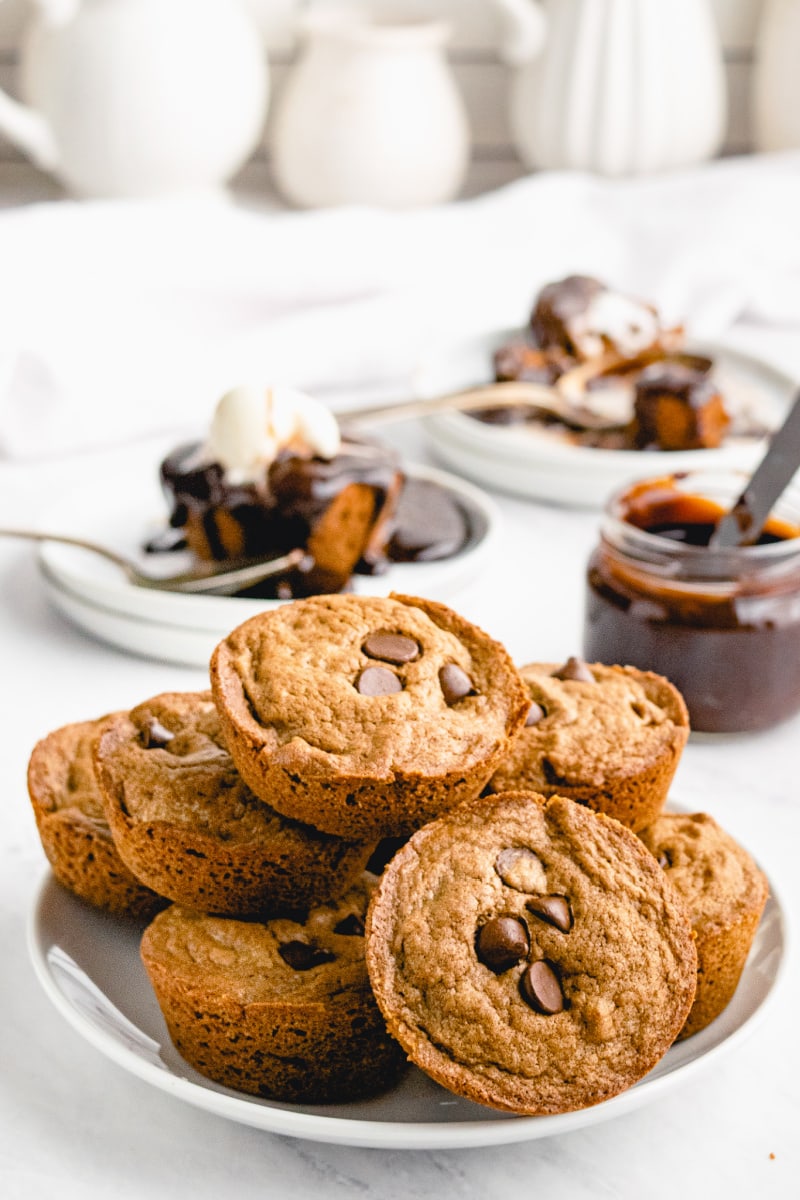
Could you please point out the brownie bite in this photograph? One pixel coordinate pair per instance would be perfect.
(188, 825)
(70, 817)
(584, 318)
(280, 1008)
(609, 737)
(724, 892)
(365, 716)
(677, 407)
(529, 954)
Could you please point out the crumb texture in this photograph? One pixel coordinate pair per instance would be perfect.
(280, 1008)
(617, 943)
(299, 669)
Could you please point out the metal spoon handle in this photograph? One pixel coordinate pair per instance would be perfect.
(745, 521)
(225, 581)
(478, 397)
(505, 394)
(36, 535)
(210, 578)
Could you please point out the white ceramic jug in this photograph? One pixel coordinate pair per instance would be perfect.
(370, 114)
(139, 97)
(619, 87)
(776, 82)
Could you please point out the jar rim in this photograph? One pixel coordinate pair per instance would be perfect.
(702, 483)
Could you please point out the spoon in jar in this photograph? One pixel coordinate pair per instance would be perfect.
(743, 525)
(207, 579)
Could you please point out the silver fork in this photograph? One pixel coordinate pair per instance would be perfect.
(208, 579)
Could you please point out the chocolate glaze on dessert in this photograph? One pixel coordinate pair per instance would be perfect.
(354, 512)
(557, 305)
(677, 407)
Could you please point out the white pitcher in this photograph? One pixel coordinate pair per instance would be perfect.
(619, 87)
(776, 82)
(139, 97)
(370, 113)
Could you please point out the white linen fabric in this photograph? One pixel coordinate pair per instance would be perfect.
(123, 319)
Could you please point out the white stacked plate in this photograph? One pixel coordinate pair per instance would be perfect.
(174, 627)
(539, 463)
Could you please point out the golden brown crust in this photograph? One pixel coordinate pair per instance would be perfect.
(724, 892)
(625, 963)
(613, 744)
(363, 765)
(243, 1016)
(185, 821)
(74, 832)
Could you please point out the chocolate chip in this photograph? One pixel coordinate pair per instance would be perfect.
(391, 647)
(455, 683)
(664, 860)
(378, 681)
(302, 956)
(574, 668)
(155, 736)
(350, 926)
(541, 989)
(502, 942)
(555, 910)
(535, 714)
(519, 867)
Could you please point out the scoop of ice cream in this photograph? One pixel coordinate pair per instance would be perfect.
(611, 318)
(251, 425)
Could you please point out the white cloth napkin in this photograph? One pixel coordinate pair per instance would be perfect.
(123, 319)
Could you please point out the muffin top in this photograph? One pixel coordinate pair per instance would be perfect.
(166, 761)
(311, 959)
(589, 723)
(369, 686)
(527, 954)
(61, 772)
(717, 878)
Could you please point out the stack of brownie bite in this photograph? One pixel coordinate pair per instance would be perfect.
(524, 945)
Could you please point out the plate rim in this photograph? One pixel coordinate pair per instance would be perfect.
(357, 1132)
(502, 446)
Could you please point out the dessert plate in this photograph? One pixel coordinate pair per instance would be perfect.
(542, 464)
(184, 629)
(88, 964)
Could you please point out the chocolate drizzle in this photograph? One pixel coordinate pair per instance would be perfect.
(355, 512)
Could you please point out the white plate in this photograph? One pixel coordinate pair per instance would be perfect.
(89, 966)
(92, 592)
(183, 646)
(529, 461)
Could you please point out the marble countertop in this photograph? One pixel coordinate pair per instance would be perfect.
(76, 1124)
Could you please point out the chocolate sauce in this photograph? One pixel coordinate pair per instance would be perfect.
(723, 626)
(355, 512)
(557, 306)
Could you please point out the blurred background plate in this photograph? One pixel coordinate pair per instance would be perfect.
(536, 463)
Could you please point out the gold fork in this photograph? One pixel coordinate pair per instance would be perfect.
(209, 579)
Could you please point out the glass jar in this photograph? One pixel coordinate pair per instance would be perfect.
(722, 624)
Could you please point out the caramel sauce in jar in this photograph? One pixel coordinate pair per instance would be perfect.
(722, 624)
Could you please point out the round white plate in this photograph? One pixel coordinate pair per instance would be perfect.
(88, 964)
(533, 462)
(174, 627)
(183, 646)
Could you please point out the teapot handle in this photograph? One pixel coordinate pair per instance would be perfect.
(29, 131)
(25, 127)
(525, 30)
